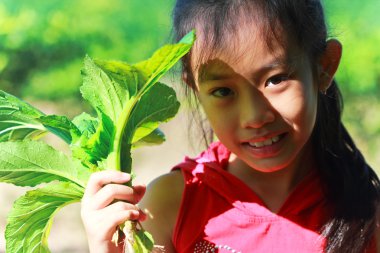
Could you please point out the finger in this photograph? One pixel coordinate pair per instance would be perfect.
(109, 218)
(97, 217)
(111, 192)
(119, 212)
(142, 215)
(99, 179)
(121, 206)
(139, 191)
(102, 223)
(118, 219)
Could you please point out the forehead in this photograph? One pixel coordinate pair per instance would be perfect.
(246, 47)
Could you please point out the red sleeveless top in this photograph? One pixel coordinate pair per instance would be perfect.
(220, 213)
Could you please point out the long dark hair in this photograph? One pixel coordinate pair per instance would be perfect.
(351, 185)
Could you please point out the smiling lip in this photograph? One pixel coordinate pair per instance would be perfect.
(265, 146)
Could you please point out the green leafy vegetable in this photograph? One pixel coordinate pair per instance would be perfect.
(130, 104)
(18, 119)
(31, 217)
(144, 242)
(29, 163)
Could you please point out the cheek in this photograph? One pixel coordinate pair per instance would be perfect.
(298, 108)
(209, 111)
(221, 118)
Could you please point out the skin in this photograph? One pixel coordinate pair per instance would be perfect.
(107, 203)
(245, 100)
(254, 101)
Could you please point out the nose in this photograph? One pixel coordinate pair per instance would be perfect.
(255, 110)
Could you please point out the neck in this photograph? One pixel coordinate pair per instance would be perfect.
(273, 187)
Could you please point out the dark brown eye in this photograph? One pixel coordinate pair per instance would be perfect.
(275, 80)
(222, 92)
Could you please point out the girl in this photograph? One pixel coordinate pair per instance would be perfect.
(285, 175)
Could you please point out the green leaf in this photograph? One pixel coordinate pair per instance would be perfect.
(121, 92)
(108, 85)
(86, 124)
(148, 113)
(136, 238)
(95, 146)
(31, 217)
(124, 74)
(18, 119)
(29, 163)
(151, 70)
(154, 138)
(143, 242)
(164, 59)
(60, 126)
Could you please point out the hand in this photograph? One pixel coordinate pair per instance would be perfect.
(106, 204)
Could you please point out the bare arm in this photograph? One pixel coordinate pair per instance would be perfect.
(162, 201)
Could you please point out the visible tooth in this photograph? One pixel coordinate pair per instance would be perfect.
(259, 144)
(268, 142)
(276, 138)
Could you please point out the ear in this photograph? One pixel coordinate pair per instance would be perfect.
(328, 64)
(185, 77)
(189, 80)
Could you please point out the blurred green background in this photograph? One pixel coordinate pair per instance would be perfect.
(43, 43)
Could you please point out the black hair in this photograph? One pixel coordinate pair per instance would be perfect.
(351, 185)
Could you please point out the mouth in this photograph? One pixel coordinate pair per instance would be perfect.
(268, 142)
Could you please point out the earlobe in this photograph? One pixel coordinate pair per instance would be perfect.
(185, 77)
(328, 63)
(188, 80)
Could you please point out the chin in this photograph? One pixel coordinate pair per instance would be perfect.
(268, 169)
(268, 166)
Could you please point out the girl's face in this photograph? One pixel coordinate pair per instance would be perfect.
(262, 104)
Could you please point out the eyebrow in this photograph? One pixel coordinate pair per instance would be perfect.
(214, 73)
(288, 64)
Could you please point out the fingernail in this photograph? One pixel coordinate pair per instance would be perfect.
(126, 176)
(135, 213)
(139, 187)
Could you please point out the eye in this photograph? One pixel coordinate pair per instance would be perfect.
(275, 80)
(222, 92)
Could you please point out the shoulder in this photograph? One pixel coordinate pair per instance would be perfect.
(162, 202)
(166, 189)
